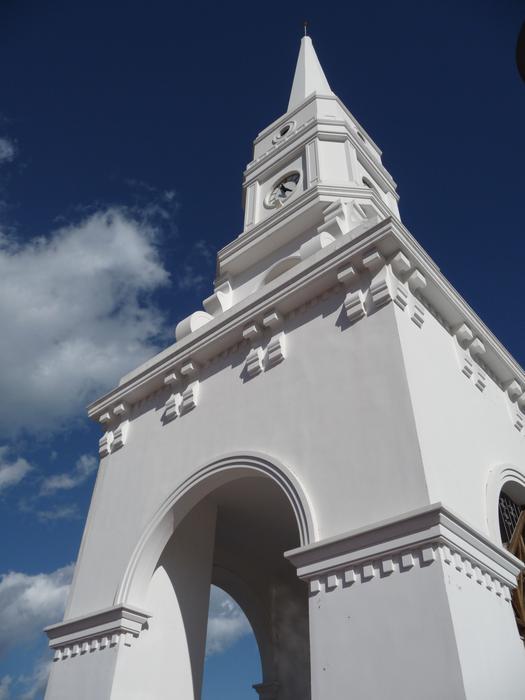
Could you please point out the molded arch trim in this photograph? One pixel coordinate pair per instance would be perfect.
(498, 477)
(193, 489)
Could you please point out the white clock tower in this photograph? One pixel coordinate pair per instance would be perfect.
(336, 440)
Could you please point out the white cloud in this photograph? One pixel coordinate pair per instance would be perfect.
(69, 512)
(226, 622)
(5, 684)
(11, 472)
(189, 279)
(76, 313)
(7, 153)
(84, 467)
(35, 684)
(29, 603)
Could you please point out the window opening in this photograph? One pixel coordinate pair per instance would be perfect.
(512, 530)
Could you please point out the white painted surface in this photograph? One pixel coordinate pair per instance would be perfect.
(339, 371)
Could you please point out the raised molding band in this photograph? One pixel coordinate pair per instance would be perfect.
(414, 539)
(105, 628)
(305, 281)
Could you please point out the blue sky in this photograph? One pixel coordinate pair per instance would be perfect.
(125, 126)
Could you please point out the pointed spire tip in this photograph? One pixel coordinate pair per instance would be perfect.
(309, 76)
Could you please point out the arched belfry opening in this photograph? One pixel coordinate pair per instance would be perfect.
(233, 537)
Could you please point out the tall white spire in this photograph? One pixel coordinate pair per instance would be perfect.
(309, 76)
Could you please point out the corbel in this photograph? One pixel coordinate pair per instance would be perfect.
(379, 291)
(416, 283)
(190, 395)
(104, 444)
(335, 219)
(254, 360)
(514, 390)
(464, 337)
(353, 303)
(400, 266)
(517, 404)
(172, 405)
(470, 350)
(120, 435)
(276, 350)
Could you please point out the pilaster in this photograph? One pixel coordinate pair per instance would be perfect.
(418, 594)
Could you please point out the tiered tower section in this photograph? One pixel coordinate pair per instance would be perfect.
(335, 398)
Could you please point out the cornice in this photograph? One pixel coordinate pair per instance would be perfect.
(288, 222)
(415, 539)
(312, 98)
(324, 129)
(284, 225)
(305, 281)
(96, 631)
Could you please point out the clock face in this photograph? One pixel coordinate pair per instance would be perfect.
(282, 191)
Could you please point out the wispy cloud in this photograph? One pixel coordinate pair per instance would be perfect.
(189, 279)
(34, 685)
(226, 622)
(7, 153)
(5, 684)
(11, 471)
(30, 602)
(85, 465)
(194, 272)
(67, 512)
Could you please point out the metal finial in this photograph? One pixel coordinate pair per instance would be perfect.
(305, 26)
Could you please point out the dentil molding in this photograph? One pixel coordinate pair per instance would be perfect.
(104, 629)
(412, 540)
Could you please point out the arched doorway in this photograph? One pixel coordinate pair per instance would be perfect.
(233, 535)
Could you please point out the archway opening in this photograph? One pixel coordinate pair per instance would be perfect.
(255, 525)
(233, 535)
(232, 659)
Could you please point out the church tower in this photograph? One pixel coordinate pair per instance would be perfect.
(335, 439)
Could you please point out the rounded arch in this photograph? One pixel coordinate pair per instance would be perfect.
(191, 491)
(501, 476)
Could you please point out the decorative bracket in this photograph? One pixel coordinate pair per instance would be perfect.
(353, 304)
(190, 395)
(470, 349)
(172, 405)
(120, 434)
(276, 350)
(335, 219)
(104, 444)
(516, 397)
(254, 361)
